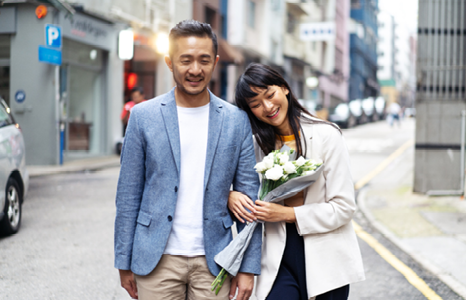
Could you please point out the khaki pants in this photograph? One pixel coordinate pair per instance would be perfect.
(180, 278)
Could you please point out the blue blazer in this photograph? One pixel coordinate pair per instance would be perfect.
(149, 181)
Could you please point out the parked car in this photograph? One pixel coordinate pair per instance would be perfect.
(368, 106)
(380, 107)
(14, 177)
(342, 116)
(356, 110)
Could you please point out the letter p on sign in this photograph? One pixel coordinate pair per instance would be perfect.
(53, 36)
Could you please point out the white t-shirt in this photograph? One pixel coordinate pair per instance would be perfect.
(186, 237)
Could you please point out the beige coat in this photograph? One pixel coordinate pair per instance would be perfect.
(332, 254)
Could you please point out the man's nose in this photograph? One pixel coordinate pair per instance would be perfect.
(195, 69)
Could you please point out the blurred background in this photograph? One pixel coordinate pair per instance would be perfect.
(332, 52)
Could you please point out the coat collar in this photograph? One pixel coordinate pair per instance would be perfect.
(170, 118)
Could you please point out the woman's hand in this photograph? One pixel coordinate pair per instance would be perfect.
(237, 203)
(272, 212)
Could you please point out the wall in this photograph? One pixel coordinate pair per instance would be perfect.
(36, 115)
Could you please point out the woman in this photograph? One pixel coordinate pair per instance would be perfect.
(309, 245)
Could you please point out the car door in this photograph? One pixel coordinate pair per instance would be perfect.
(5, 153)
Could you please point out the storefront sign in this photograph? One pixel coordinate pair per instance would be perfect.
(89, 31)
(20, 96)
(7, 20)
(323, 31)
(49, 55)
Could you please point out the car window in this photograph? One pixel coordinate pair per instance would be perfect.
(5, 118)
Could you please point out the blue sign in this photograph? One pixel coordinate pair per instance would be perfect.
(49, 55)
(53, 36)
(20, 96)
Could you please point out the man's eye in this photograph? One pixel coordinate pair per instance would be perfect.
(185, 61)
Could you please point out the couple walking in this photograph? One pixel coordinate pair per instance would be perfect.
(182, 154)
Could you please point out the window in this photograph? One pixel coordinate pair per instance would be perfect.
(291, 24)
(355, 4)
(251, 14)
(210, 17)
(5, 118)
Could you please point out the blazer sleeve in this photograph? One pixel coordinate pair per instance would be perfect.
(129, 192)
(246, 181)
(339, 205)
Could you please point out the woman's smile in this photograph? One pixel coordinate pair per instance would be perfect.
(274, 114)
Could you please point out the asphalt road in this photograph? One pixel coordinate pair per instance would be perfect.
(64, 249)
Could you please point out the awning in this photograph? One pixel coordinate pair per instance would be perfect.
(228, 53)
(61, 5)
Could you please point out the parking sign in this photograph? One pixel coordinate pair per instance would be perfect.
(53, 36)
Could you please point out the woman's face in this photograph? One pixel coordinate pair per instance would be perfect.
(271, 106)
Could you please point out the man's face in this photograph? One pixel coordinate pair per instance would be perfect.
(192, 63)
(137, 97)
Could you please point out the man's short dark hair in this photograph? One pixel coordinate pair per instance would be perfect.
(188, 28)
(137, 89)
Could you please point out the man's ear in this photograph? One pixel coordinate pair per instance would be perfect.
(169, 63)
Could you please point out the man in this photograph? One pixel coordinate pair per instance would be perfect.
(182, 152)
(137, 96)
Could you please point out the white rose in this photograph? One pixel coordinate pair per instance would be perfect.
(283, 158)
(260, 167)
(275, 173)
(268, 162)
(289, 168)
(300, 161)
(317, 161)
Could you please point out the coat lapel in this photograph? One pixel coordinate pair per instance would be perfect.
(170, 118)
(215, 128)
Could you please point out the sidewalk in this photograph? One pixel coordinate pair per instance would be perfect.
(432, 230)
(89, 164)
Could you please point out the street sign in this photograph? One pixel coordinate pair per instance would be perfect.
(20, 96)
(49, 55)
(53, 36)
(323, 31)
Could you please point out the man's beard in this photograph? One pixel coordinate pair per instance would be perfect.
(183, 89)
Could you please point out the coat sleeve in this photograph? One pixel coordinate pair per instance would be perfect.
(339, 205)
(246, 181)
(129, 192)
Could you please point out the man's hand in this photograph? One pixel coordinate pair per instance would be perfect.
(245, 283)
(128, 283)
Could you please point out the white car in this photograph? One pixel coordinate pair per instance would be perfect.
(14, 178)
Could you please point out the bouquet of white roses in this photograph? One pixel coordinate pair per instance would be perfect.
(282, 177)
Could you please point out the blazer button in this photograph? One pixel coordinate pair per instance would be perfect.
(169, 218)
(176, 189)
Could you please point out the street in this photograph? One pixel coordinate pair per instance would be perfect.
(64, 249)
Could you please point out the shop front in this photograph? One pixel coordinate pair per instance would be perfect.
(69, 110)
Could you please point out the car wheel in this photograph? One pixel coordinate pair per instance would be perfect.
(12, 219)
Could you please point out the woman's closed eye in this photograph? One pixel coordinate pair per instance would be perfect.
(271, 95)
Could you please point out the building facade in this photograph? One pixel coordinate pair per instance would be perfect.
(66, 111)
(363, 49)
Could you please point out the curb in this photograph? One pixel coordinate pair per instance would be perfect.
(54, 170)
(446, 278)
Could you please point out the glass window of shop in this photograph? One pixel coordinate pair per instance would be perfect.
(82, 97)
(5, 68)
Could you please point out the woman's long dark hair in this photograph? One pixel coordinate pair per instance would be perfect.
(262, 76)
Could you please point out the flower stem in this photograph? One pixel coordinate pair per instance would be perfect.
(219, 280)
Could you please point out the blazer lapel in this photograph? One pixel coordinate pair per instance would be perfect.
(170, 118)
(215, 128)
